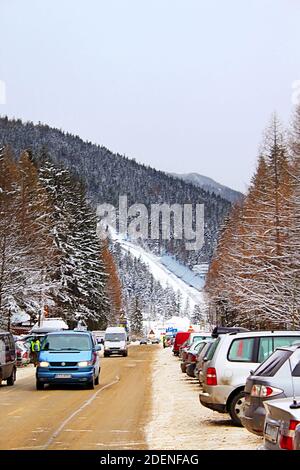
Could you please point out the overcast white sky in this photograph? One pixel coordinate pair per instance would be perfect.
(182, 85)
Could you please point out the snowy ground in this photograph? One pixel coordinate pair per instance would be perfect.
(180, 422)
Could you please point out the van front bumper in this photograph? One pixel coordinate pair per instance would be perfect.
(65, 376)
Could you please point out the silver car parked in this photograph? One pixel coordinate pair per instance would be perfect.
(272, 380)
(229, 362)
(282, 424)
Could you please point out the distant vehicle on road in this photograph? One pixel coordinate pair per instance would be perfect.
(68, 357)
(7, 358)
(99, 335)
(115, 341)
(144, 341)
(155, 341)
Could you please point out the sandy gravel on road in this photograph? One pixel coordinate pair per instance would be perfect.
(180, 422)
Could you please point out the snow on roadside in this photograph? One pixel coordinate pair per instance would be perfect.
(180, 422)
(24, 372)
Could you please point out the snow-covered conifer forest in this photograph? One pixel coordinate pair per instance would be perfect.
(254, 277)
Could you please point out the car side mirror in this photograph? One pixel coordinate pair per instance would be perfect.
(251, 372)
(97, 347)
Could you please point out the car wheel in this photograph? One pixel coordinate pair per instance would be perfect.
(106, 354)
(235, 408)
(97, 378)
(40, 385)
(91, 384)
(11, 380)
(125, 353)
(183, 368)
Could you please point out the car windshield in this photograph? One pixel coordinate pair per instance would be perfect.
(66, 343)
(115, 337)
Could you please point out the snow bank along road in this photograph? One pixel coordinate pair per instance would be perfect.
(112, 416)
(143, 401)
(180, 422)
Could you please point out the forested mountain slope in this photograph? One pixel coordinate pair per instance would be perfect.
(108, 175)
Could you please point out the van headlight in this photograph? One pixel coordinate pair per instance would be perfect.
(44, 364)
(83, 364)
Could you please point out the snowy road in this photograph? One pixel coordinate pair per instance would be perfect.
(143, 402)
(112, 416)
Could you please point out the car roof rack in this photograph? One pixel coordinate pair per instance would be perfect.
(224, 330)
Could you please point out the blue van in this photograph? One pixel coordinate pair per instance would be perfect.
(68, 357)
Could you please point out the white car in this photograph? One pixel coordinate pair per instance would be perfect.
(230, 361)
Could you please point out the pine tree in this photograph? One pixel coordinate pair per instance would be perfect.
(136, 319)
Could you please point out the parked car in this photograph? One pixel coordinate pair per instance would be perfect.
(192, 339)
(201, 357)
(68, 357)
(8, 358)
(115, 341)
(23, 354)
(191, 355)
(282, 424)
(229, 362)
(270, 381)
(180, 338)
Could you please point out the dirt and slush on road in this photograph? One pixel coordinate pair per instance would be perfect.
(143, 402)
(113, 416)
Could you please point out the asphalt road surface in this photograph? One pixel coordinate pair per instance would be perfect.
(112, 416)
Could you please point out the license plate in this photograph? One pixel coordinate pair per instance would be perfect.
(63, 376)
(271, 432)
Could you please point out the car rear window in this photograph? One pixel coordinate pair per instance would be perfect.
(199, 346)
(296, 371)
(272, 365)
(241, 350)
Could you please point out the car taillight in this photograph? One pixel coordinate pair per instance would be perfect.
(263, 391)
(191, 358)
(211, 376)
(286, 440)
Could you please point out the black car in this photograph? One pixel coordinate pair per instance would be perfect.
(7, 358)
(143, 341)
